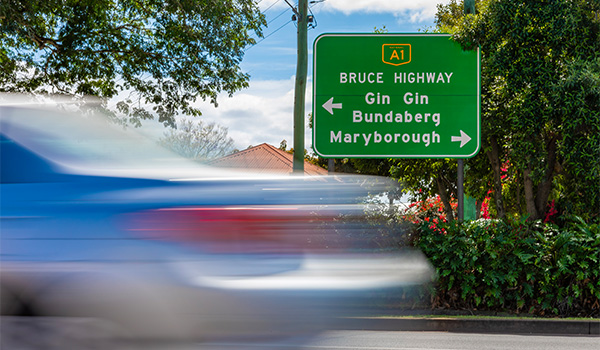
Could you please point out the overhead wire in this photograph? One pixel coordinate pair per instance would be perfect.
(271, 21)
(269, 7)
(279, 15)
(312, 25)
(273, 32)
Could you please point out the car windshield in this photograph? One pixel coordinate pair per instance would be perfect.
(86, 141)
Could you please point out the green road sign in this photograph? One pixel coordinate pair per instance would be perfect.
(392, 95)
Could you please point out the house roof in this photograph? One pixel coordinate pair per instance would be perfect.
(265, 158)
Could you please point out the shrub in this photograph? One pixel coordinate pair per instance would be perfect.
(518, 267)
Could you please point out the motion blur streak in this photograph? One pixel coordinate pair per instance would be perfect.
(254, 229)
(106, 236)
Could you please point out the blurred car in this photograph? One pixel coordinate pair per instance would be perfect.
(99, 223)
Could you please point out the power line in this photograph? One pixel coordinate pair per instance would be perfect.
(268, 8)
(271, 20)
(279, 15)
(292, 7)
(273, 32)
(312, 23)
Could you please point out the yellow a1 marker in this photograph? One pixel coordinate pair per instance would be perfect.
(395, 54)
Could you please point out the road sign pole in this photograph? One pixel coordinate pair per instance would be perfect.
(461, 189)
(469, 8)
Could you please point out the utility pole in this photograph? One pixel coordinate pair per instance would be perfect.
(300, 89)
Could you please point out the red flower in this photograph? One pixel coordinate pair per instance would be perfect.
(551, 212)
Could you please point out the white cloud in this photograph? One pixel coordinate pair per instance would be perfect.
(261, 113)
(380, 6)
(264, 112)
(415, 11)
(268, 5)
(351, 6)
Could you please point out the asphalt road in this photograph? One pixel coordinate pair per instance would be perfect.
(376, 340)
(39, 336)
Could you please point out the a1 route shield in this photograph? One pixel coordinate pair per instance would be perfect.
(395, 95)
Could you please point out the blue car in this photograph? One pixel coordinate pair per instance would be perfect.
(102, 228)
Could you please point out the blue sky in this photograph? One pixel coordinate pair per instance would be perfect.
(264, 111)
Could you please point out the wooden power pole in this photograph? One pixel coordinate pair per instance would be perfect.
(300, 88)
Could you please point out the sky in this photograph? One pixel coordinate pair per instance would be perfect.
(263, 113)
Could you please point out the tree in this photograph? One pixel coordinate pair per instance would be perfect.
(283, 145)
(425, 178)
(540, 100)
(199, 141)
(540, 108)
(165, 53)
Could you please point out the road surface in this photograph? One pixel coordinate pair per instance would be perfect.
(375, 340)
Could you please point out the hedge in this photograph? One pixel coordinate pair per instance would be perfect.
(516, 267)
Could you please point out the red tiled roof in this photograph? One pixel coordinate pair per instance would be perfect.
(265, 158)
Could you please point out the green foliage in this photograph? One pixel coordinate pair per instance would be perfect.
(167, 53)
(579, 94)
(540, 100)
(381, 30)
(516, 266)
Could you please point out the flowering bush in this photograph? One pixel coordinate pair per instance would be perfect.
(515, 266)
(484, 212)
(430, 210)
(551, 213)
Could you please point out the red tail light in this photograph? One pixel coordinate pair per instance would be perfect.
(237, 229)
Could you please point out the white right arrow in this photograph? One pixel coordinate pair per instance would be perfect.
(329, 105)
(463, 138)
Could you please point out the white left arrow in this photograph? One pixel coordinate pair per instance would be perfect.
(463, 138)
(329, 105)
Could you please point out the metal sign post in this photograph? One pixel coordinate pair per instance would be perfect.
(460, 189)
(469, 8)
